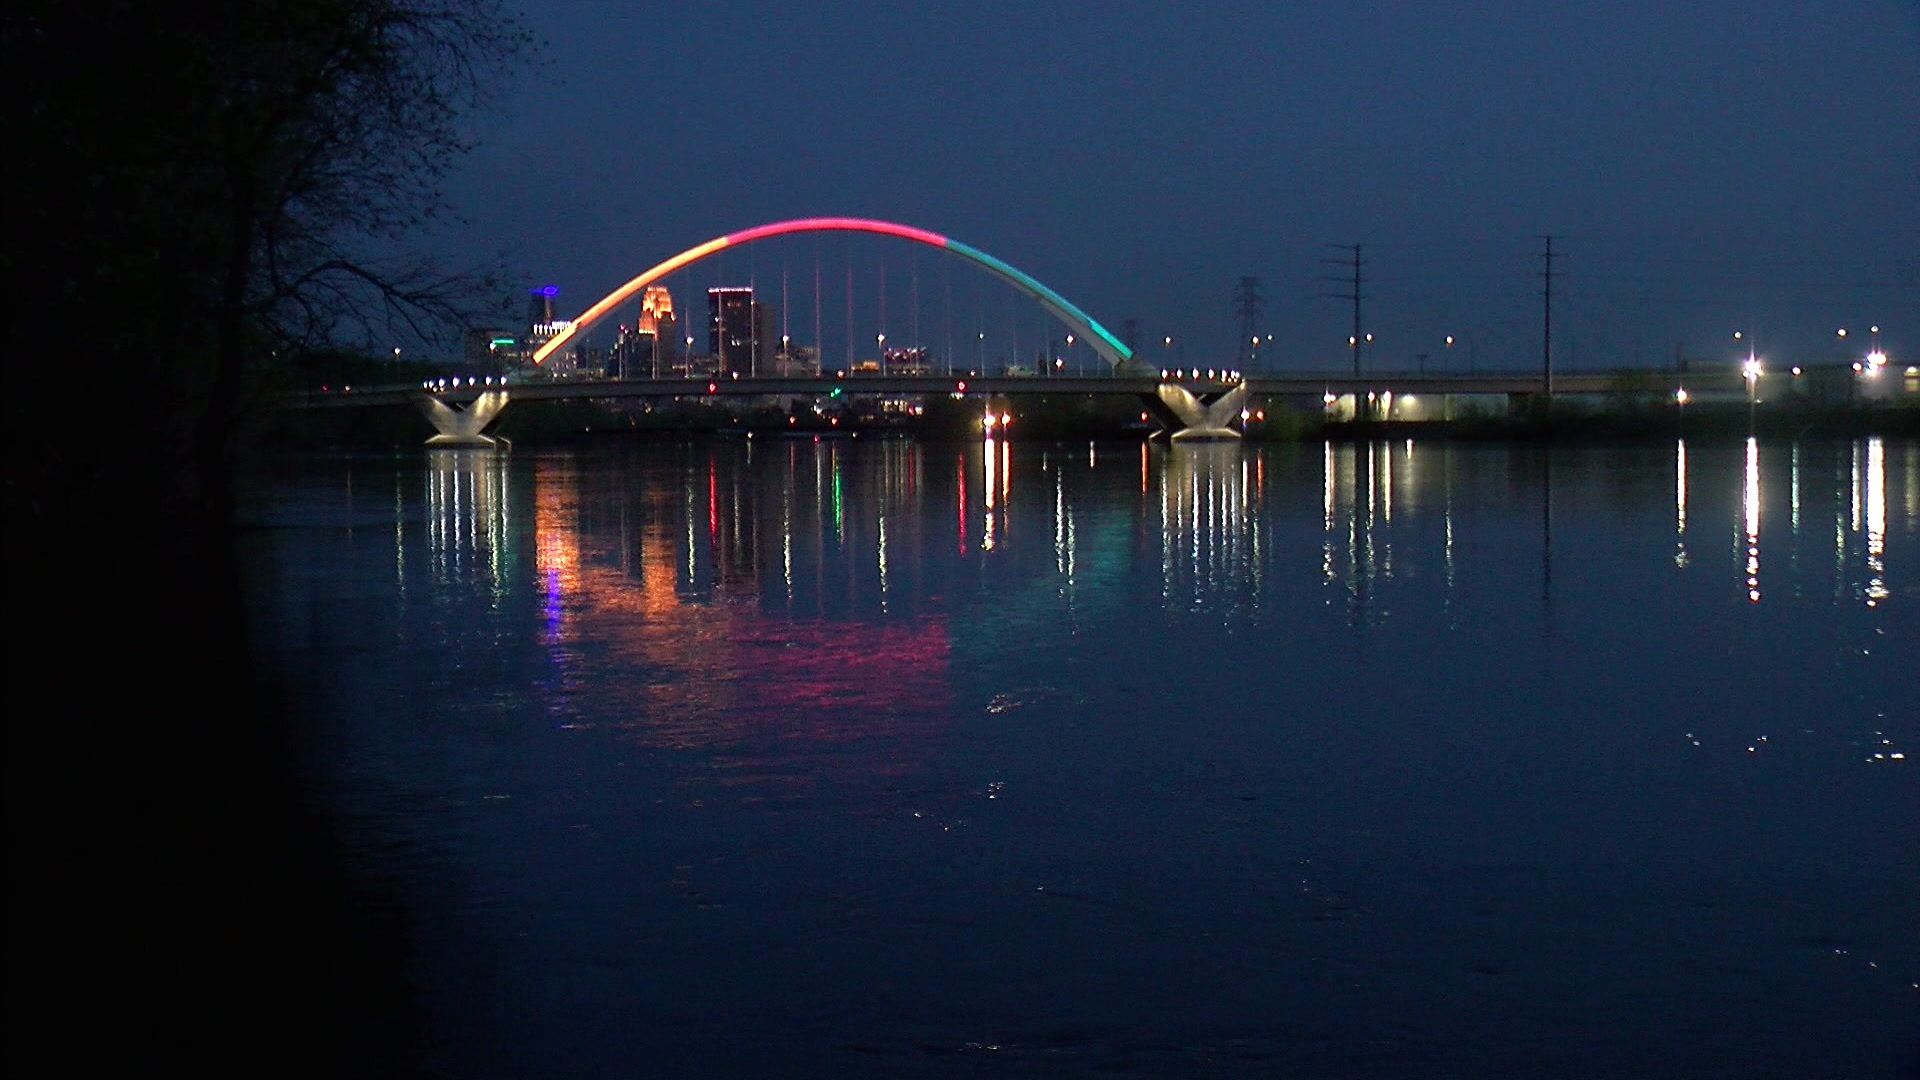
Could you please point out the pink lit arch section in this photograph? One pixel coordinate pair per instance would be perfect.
(1103, 342)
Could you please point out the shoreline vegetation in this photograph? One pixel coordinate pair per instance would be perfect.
(201, 192)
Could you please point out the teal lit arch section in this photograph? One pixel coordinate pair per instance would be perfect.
(1095, 335)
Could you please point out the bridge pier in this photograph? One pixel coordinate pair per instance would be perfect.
(1202, 419)
(463, 427)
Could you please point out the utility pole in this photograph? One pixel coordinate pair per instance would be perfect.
(1546, 336)
(1247, 303)
(1355, 293)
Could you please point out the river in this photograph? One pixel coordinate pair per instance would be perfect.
(850, 757)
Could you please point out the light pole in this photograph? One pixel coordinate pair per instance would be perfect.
(880, 341)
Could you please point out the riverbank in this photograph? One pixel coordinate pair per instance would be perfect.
(1082, 417)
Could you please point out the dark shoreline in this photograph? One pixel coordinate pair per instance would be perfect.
(566, 423)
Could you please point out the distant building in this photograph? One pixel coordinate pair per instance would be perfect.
(791, 360)
(542, 327)
(490, 350)
(540, 304)
(740, 335)
(668, 359)
(655, 304)
(914, 361)
(538, 334)
(650, 347)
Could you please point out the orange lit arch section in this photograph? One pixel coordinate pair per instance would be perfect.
(1103, 342)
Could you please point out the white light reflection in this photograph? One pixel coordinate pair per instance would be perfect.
(1680, 504)
(881, 555)
(1912, 471)
(1750, 502)
(1913, 486)
(1329, 478)
(1451, 574)
(1385, 469)
(1206, 530)
(467, 517)
(1876, 521)
(399, 537)
(1065, 540)
(1059, 522)
(1794, 483)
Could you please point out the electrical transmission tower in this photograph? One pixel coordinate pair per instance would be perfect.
(1546, 323)
(1354, 280)
(1248, 304)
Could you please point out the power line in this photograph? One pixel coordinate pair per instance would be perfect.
(1355, 282)
(1546, 326)
(1248, 303)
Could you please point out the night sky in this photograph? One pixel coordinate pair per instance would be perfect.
(1705, 167)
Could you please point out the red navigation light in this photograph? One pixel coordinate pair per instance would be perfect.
(713, 388)
(961, 386)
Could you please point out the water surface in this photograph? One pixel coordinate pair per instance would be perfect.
(854, 758)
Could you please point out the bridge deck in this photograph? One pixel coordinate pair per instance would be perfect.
(1306, 384)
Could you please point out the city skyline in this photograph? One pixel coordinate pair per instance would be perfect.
(1718, 169)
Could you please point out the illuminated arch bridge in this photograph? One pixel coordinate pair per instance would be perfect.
(1188, 415)
(1102, 341)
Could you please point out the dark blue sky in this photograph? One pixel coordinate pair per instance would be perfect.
(1705, 166)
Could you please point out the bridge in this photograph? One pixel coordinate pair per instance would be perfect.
(1188, 407)
(1188, 403)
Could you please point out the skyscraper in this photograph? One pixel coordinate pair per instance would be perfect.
(653, 347)
(733, 330)
(656, 303)
(542, 326)
(540, 305)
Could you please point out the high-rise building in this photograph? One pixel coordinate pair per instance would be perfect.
(542, 327)
(666, 346)
(646, 349)
(734, 324)
(540, 304)
(655, 304)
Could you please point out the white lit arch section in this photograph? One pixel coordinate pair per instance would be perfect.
(1103, 342)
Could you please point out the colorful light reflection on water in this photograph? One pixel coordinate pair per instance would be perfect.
(1387, 759)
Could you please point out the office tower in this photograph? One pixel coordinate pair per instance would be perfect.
(732, 330)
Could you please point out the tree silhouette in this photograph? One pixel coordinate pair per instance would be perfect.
(202, 185)
(191, 193)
